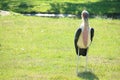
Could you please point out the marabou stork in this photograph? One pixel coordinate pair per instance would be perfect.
(83, 37)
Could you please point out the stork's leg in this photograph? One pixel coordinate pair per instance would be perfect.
(86, 62)
(77, 62)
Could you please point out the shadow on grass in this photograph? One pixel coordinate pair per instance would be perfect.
(87, 76)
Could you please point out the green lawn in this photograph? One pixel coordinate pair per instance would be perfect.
(36, 48)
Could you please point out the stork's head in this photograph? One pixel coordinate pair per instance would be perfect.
(84, 14)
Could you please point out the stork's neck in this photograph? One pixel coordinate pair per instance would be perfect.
(85, 23)
(85, 32)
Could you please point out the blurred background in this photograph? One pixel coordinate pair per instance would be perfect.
(108, 8)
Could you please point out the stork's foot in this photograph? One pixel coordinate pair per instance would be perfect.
(86, 70)
(77, 71)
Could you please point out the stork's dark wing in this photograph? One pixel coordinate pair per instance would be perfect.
(92, 33)
(77, 34)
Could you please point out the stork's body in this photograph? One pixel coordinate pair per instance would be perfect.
(83, 36)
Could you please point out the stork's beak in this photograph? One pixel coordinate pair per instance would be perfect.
(85, 14)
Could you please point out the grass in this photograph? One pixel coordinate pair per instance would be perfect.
(36, 48)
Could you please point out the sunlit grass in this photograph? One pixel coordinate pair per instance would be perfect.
(35, 48)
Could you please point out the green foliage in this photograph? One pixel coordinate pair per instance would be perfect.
(16, 5)
(35, 48)
(96, 7)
